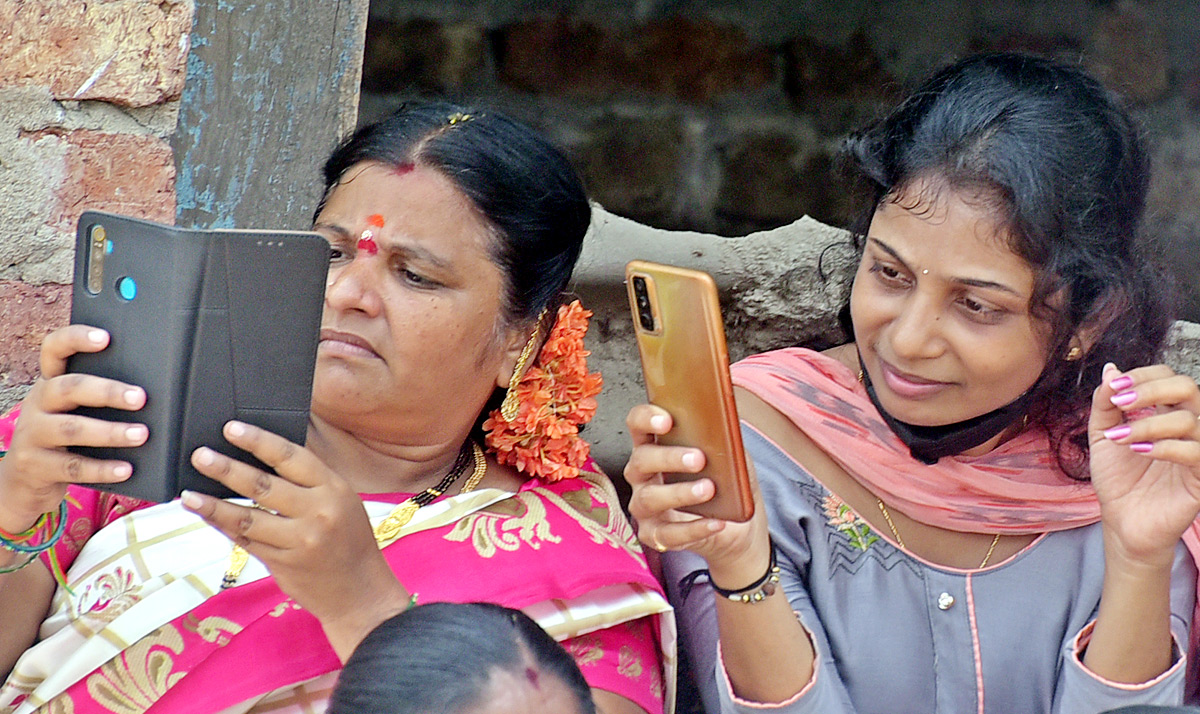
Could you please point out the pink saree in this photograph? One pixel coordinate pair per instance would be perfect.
(147, 628)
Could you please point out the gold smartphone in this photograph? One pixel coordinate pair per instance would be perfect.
(681, 340)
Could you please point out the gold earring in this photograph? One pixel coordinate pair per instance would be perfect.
(1074, 353)
(510, 405)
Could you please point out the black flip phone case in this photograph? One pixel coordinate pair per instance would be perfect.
(224, 325)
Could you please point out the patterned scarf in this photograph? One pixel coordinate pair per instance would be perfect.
(1016, 488)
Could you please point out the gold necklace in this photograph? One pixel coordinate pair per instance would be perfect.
(399, 516)
(896, 534)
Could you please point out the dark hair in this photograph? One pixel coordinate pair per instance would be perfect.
(523, 187)
(1063, 164)
(441, 658)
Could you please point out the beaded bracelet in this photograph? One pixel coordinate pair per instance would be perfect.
(19, 542)
(756, 591)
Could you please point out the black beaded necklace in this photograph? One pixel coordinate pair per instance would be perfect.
(456, 471)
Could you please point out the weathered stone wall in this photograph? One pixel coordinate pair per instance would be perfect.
(724, 117)
(88, 101)
(779, 288)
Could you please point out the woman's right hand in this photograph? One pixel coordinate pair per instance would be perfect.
(37, 468)
(735, 552)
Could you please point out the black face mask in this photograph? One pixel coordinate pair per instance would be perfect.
(930, 443)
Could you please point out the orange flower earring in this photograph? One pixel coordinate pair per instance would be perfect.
(536, 429)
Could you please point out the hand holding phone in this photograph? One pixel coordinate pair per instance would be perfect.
(214, 325)
(685, 364)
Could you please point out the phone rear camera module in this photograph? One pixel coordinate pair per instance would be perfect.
(127, 288)
(641, 297)
(99, 247)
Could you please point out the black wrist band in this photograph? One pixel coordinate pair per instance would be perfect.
(756, 591)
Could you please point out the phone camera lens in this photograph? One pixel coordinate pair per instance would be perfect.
(642, 298)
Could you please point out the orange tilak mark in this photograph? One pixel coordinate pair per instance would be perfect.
(375, 220)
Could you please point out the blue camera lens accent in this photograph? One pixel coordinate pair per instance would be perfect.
(127, 288)
(108, 247)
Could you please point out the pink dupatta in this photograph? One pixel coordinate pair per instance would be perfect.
(1017, 488)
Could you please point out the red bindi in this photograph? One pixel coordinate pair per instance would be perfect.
(532, 675)
(366, 241)
(402, 169)
(367, 244)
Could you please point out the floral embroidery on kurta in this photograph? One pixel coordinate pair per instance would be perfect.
(846, 521)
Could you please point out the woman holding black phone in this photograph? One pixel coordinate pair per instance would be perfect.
(434, 469)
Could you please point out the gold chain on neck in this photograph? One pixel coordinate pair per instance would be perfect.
(896, 534)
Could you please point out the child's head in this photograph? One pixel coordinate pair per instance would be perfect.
(473, 658)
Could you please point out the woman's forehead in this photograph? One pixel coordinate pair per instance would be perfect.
(414, 196)
(957, 230)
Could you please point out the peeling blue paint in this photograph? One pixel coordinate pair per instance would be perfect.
(198, 88)
(244, 145)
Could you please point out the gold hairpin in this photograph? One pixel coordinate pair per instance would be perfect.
(457, 117)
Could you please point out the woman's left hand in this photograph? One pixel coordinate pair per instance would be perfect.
(1144, 436)
(314, 535)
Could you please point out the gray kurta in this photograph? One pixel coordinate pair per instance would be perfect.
(895, 634)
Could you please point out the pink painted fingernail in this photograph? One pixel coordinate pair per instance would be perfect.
(1121, 383)
(1118, 432)
(1141, 447)
(1124, 399)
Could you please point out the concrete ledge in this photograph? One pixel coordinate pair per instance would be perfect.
(773, 295)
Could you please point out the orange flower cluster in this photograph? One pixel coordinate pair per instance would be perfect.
(556, 395)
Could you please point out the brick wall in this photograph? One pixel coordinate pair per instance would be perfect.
(724, 117)
(89, 95)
